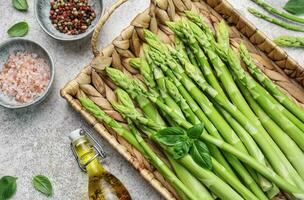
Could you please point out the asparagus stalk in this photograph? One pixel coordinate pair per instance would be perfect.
(219, 168)
(244, 137)
(209, 126)
(201, 58)
(275, 11)
(269, 107)
(259, 95)
(200, 22)
(282, 109)
(267, 172)
(139, 144)
(276, 158)
(249, 161)
(209, 110)
(146, 72)
(289, 41)
(215, 184)
(242, 133)
(223, 101)
(269, 85)
(189, 180)
(275, 21)
(231, 179)
(191, 57)
(127, 108)
(160, 79)
(288, 146)
(173, 91)
(203, 101)
(185, 176)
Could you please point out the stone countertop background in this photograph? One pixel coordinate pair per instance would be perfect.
(34, 141)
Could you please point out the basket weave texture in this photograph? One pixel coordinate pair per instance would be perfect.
(92, 83)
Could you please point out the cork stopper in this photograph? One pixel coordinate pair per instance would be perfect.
(74, 135)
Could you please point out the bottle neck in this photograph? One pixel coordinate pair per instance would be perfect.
(86, 153)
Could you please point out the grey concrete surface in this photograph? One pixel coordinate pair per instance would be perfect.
(34, 141)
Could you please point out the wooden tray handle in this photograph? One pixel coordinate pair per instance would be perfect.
(100, 24)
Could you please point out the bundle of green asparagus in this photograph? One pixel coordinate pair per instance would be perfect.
(227, 133)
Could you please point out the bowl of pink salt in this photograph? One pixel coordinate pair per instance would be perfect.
(26, 73)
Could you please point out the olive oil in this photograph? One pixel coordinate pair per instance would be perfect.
(102, 184)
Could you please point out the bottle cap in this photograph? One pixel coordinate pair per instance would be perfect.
(74, 135)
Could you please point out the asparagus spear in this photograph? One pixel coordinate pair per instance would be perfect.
(275, 11)
(238, 99)
(215, 184)
(130, 111)
(195, 74)
(293, 131)
(223, 101)
(189, 180)
(282, 109)
(288, 146)
(211, 111)
(248, 160)
(173, 91)
(289, 41)
(139, 144)
(269, 85)
(183, 174)
(236, 164)
(275, 21)
(267, 172)
(264, 102)
(242, 133)
(210, 127)
(201, 57)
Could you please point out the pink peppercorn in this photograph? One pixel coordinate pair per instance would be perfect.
(71, 16)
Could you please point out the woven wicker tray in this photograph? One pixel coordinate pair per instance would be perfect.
(273, 61)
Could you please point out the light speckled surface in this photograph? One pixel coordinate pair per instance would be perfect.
(34, 141)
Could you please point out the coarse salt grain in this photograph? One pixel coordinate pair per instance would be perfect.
(24, 76)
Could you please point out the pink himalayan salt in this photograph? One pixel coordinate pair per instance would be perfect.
(24, 76)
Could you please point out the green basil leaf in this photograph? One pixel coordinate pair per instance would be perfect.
(42, 184)
(19, 29)
(8, 187)
(170, 140)
(172, 131)
(174, 140)
(195, 131)
(20, 5)
(170, 136)
(200, 154)
(179, 150)
(295, 7)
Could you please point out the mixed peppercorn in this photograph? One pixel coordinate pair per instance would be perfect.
(71, 17)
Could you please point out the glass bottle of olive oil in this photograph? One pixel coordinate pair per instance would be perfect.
(102, 184)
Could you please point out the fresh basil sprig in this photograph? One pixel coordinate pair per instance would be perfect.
(178, 143)
(19, 29)
(295, 7)
(195, 131)
(174, 140)
(20, 5)
(42, 184)
(200, 154)
(198, 150)
(8, 187)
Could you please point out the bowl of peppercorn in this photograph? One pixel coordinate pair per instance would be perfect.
(68, 20)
